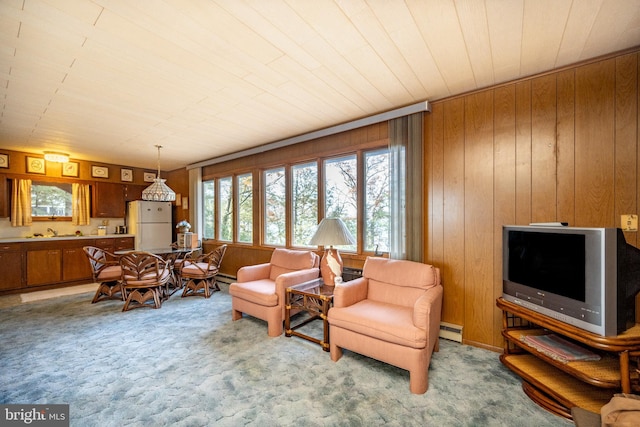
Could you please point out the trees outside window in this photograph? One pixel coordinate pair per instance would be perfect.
(50, 199)
(225, 189)
(245, 207)
(341, 193)
(290, 215)
(304, 182)
(377, 222)
(275, 219)
(208, 205)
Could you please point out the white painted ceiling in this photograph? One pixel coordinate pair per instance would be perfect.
(106, 80)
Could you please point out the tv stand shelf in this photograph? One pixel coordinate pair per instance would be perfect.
(558, 386)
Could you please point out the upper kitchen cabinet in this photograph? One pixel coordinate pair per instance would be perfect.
(108, 200)
(133, 192)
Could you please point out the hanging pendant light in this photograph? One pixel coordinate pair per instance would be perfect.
(159, 191)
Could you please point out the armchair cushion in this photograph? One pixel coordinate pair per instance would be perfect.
(262, 292)
(388, 322)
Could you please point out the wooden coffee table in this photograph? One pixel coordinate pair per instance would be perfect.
(315, 298)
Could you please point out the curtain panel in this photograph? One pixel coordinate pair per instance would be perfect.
(21, 203)
(81, 204)
(406, 187)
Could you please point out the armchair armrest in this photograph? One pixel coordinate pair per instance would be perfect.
(350, 292)
(428, 306)
(286, 280)
(250, 273)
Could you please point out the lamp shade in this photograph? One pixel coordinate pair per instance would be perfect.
(332, 231)
(159, 191)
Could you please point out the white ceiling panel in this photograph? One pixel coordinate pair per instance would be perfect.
(106, 80)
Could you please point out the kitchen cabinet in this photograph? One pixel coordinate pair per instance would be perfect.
(75, 265)
(49, 263)
(44, 266)
(115, 244)
(11, 260)
(108, 200)
(133, 192)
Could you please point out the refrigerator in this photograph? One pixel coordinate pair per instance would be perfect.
(151, 224)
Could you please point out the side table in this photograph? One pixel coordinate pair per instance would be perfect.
(315, 298)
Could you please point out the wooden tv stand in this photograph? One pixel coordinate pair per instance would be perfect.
(558, 386)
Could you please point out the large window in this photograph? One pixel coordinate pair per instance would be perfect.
(245, 208)
(275, 219)
(295, 197)
(341, 193)
(304, 182)
(225, 189)
(50, 199)
(209, 205)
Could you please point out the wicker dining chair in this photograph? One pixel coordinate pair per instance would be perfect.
(145, 278)
(200, 273)
(106, 271)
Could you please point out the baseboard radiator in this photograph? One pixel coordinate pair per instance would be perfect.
(451, 332)
(225, 279)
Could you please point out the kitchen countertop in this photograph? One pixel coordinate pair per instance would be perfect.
(46, 239)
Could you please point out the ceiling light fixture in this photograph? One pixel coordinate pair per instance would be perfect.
(158, 191)
(54, 156)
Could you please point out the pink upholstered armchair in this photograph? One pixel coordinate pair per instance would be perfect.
(392, 314)
(260, 289)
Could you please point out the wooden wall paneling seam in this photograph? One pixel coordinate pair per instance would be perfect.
(453, 201)
(565, 152)
(543, 149)
(434, 143)
(626, 112)
(504, 187)
(478, 217)
(523, 153)
(595, 110)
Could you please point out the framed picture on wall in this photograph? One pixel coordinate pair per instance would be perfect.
(36, 165)
(149, 177)
(4, 160)
(99, 172)
(126, 175)
(70, 169)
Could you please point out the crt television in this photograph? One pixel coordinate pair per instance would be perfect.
(585, 277)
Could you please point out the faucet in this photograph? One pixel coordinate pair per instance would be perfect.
(52, 231)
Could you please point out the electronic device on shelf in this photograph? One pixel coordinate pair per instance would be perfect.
(585, 277)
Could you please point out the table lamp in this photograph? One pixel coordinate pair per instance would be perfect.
(331, 231)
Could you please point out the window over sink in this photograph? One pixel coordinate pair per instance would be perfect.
(51, 200)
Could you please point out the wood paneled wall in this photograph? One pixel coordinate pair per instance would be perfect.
(562, 146)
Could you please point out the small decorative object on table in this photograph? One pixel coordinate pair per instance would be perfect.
(183, 226)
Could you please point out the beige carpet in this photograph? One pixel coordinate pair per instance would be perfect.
(54, 293)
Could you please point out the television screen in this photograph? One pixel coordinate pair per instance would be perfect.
(551, 262)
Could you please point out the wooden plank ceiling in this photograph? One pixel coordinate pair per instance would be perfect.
(106, 80)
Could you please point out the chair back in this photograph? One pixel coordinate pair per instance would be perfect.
(99, 259)
(288, 260)
(399, 282)
(206, 265)
(139, 268)
(215, 257)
